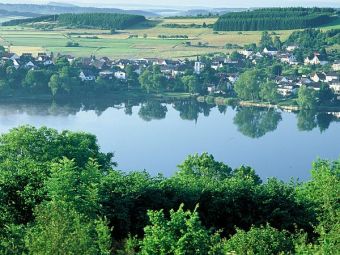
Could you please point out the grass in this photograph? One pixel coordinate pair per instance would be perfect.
(28, 39)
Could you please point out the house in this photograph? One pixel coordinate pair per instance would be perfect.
(318, 77)
(29, 65)
(87, 75)
(106, 74)
(270, 51)
(331, 76)
(16, 64)
(120, 75)
(335, 86)
(315, 85)
(232, 78)
(289, 59)
(286, 89)
(316, 60)
(247, 53)
(199, 66)
(291, 48)
(336, 65)
(303, 81)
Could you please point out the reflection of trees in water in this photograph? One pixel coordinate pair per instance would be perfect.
(152, 110)
(190, 109)
(252, 122)
(256, 122)
(307, 120)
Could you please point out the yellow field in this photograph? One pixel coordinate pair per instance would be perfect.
(26, 39)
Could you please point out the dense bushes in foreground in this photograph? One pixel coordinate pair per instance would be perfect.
(61, 195)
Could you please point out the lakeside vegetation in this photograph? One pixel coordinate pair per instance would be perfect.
(65, 196)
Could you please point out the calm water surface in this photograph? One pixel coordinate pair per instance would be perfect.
(158, 136)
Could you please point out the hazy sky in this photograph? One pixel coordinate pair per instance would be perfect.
(188, 3)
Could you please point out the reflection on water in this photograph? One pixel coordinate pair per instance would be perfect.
(158, 134)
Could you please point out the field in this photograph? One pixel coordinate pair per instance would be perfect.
(119, 45)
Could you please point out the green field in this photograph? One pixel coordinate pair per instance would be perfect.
(28, 39)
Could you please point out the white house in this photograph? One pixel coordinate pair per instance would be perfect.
(335, 86)
(318, 77)
(246, 53)
(120, 75)
(29, 65)
(316, 60)
(331, 76)
(286, 89)
(270, 51)
(15, 63)
(87, 76)
(199, 66)
(291, 48)
(289, 59)
(336, 65)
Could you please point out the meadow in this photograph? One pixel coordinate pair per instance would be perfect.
(24, 39)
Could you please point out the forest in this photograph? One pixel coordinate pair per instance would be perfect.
(274, 19)
(85, 20)
(60, 194)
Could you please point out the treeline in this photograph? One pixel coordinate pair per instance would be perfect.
(100, 20)
(94, 20)
(274, 18)
(64, 196)
(45, 18)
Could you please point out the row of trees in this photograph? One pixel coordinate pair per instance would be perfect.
(274, 18)
(95, 20)
(100, 20)
(60, 195)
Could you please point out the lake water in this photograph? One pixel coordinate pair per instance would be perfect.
(157, 136)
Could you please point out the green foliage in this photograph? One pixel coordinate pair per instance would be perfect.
(247, 86)
(268, 92)
(152, 79)
(203, 166)
(183, 233)
(306, 98)
(262, 240)
(274, 18)
(100, 20)
(254, 122)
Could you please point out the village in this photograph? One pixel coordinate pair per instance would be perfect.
(225, 69)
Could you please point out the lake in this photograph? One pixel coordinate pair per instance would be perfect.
(157, 136)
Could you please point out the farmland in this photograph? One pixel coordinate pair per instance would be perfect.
(125, 44)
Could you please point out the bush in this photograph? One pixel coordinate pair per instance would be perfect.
(263, 240)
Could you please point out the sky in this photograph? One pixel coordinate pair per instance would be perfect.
(187, 3)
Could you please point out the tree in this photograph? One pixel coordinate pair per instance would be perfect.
(183, 233)
(54, 84)
(268, 92)
(306, 98)
(277, 43)
(191, 83)
(262, 240)
(325, 94)
(277, 70)
(203, 166)
(266, 40)
(247, 86)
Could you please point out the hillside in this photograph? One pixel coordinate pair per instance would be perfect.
(85, 20)
(275, 19)
(57, 9)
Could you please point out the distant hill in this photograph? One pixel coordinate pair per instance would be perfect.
(85, 20)
(275, 19)
(4, 13)
(62, 4)
(61, 8)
